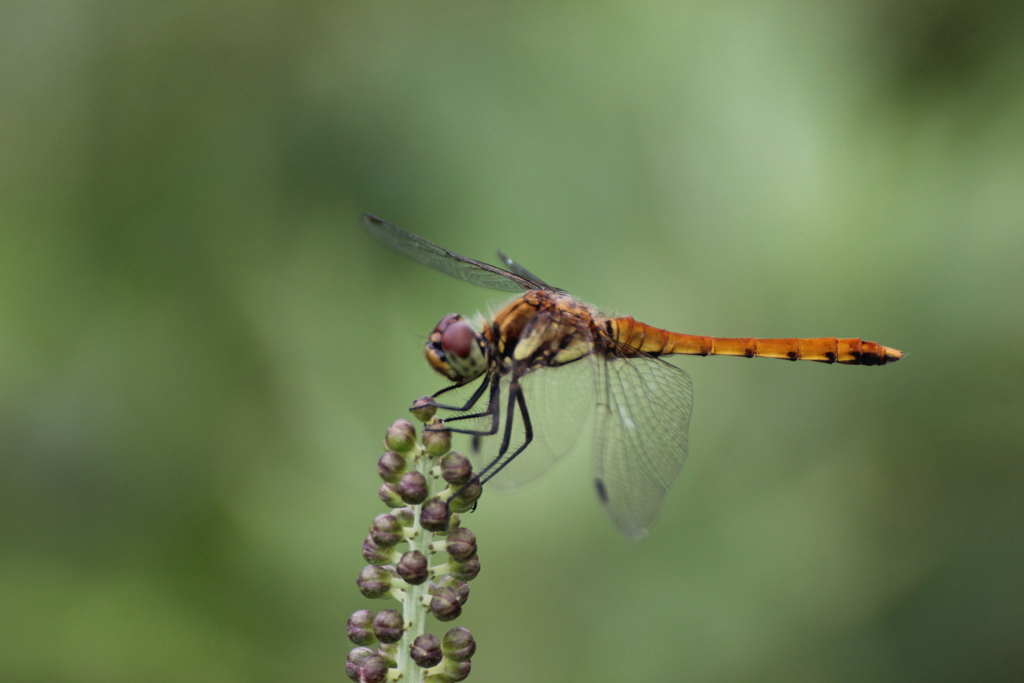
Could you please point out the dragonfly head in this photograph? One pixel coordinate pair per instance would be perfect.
(456, 350)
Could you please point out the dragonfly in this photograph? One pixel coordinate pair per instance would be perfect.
(545, 360)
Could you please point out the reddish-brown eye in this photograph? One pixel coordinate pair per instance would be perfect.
(458, 339)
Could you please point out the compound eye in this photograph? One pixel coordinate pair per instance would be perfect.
(458, 339)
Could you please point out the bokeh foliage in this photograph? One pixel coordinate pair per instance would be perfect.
(200, 349)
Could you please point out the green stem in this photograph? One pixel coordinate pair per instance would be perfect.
(413, 612)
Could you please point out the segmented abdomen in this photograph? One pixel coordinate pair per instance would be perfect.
(634, 336)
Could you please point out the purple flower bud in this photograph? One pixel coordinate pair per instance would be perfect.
(434, 515)
(456, 469)
(445, 604)
(390, 496)
(355, 659)
(465, 571)
(423, 408)
(436, 439)
(374, 581)
(461, 588)
(426, 650)
(413, 488)
(374, 554)
(360, 627)
(458, 644)
(461, 544)
(387, 531)
(391, 466)
(413, 567)
(388, 626)
(372, 669)
(404, 516)
(456, 671)
(401, 436)
(468, 497)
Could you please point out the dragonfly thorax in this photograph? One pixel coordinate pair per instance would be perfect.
(456, 350)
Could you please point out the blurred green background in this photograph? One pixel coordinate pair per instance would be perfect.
(200, 347)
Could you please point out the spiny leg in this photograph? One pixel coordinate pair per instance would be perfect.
(493, 411)
(472, 399)
(514, 391)
(515, 397)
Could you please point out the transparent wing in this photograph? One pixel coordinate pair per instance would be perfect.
(519, 270)
(640, 437)
(558, 400)
(448, 262)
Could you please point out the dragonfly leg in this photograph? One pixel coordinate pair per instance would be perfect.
(472, 399)
(515, 397)
(493, 410)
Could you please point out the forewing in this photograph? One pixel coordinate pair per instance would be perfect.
(448, 262)
(640, 437)
(519, 270)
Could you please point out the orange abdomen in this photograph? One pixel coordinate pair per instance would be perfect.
(635, 336)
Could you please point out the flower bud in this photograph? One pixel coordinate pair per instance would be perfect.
(423, 408)
(390, 496)
(465, 571)
(413, 567)
(461, 588)
(360, 627)
(374, 554)
(391, 466)
(413, 488)
(404, 516)
(426, 650)
(389, 651)
(355, 659)
(468, 496)
(456, 469)
(445, 604)
(458, 644)
(460, 544)
(401, 436)
(387, 531)
(374, 581)
(388, 626)
(372, 669)
(434, 515)
(436, 439)
(456, 671)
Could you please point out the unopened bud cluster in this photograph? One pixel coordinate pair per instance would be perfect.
(399, 548)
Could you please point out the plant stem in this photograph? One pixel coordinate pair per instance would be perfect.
(413, 612)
